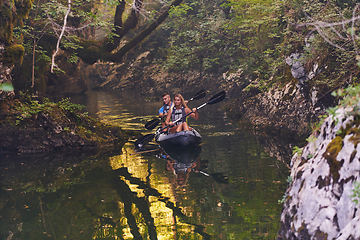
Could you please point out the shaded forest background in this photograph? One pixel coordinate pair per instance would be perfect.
(208, 38)
(240, 46)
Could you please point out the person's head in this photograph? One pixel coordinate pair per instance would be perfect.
(166, 98)
(169, 166)
(179, 100)
(182, 178)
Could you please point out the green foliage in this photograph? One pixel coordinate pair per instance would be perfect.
(179, 11)
(311, 139)
(332, 47)
(356, 192)
(6, 87)
(29, 108)
(350, 96)
(40, 32)
(297, 150)
(12, 14)
(68, 106)
(196, 40)
(283, 198)
(207, 38)
(289, 180)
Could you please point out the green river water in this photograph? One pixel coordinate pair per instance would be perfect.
(127, 195)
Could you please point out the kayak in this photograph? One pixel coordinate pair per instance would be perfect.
(187, 155)
(181, 139)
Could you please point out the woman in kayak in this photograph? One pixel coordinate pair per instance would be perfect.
(178, 111)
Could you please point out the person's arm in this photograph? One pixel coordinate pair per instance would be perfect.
(194, 115)
(168, 117)
(161, 112)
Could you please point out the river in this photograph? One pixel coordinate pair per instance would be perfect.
(127, 195)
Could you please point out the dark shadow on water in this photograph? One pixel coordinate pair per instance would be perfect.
(42, 193)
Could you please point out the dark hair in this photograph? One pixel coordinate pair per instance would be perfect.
(164, 94)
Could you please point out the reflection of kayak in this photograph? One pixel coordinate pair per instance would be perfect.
(183, 155)
(181, 139)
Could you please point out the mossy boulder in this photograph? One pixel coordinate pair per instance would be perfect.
(13, 54)
(320, 199)
(32, 127)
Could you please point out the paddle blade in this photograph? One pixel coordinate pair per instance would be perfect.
(217, 98)
(152, 124)
(144, 140)
(199, 95)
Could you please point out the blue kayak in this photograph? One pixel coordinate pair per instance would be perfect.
(181, 139)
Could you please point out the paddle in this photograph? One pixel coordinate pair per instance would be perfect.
(148, 137)
(218, 177)
(200, 94)
(153, 123)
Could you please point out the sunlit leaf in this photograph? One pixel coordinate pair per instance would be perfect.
(7, 87)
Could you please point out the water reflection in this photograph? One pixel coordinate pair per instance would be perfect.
(182, 162)
(129, 195)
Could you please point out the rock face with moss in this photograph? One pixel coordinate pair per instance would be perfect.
(28, 126)
(319, 200)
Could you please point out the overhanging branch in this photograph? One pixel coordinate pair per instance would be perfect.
(116, 57)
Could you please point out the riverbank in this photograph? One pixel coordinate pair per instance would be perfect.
(28, 125)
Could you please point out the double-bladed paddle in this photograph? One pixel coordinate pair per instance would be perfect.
(148, 137)
(153, 123)
(219, 177)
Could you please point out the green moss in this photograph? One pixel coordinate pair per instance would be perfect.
(12, 14)
(90, 51)
(330, 155)
(351, 129)
(13, 53)
(61, 119)
(23, 8)
(334, 148)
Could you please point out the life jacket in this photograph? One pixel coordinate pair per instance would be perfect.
(178, 113)
(166, 109)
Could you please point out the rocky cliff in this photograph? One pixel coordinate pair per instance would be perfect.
(319, 202)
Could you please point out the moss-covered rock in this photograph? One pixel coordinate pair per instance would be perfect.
(32, 127)
(320, 197)
(13, 54)
(12, 13)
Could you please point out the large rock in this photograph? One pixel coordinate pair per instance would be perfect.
(318, 200)
(55, 127)
(281, 111)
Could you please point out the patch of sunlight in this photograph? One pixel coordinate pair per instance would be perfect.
(133, 187)
(163, 218)
(135, 164)
(208, 126)
(106, 232)
(138, 167)
(126, 120)
(218, 134)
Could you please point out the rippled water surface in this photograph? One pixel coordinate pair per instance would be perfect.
(233, 194)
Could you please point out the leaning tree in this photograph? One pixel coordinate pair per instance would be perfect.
(54, 25)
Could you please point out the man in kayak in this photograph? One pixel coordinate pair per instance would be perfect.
(178, 111)
(165, 108)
